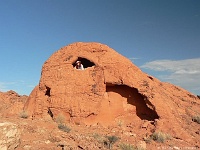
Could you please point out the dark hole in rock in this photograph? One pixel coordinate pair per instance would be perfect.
(48, 91)
(50, 112)
(85, 62)
(150, 77)
(80, 147)
(61, 145)
(136, 99)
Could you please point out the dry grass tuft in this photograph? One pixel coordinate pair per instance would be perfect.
(196, 119)
(64, 128)
(23, 114)
(160, 137)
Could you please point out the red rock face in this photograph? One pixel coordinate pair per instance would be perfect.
(11, 103)
(109, 89)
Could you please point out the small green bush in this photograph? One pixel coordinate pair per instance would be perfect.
(196, 119)
(160, 137)
(23, 114)
(106, 141)
(64, 128)
(111, 141)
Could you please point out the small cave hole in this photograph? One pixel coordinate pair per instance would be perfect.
(50, 112)
(136, 99)
(150, 77)
(48, 91)
(85, 62)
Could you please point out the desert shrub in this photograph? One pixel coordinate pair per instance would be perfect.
(196, 119)
(23, 114)
(120, 123)
(60, 119)
(147, 139)
(53, 139)
(127, 147)
(160, 137)
(106, 141)
(64, 128)
(110, 141)
(98, 137)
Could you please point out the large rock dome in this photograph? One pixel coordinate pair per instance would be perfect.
(110, 89)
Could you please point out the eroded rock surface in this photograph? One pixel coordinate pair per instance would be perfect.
(9, 136)
(11, 103)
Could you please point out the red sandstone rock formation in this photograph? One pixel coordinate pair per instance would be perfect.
(110, 89)
(11, 103)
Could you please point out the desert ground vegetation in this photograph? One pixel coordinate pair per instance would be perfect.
(23, 114)
(64, 128)
(160, 137)
(196, 119)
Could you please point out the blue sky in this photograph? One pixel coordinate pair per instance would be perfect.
(160, 37)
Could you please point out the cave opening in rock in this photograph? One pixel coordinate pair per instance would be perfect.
(135, 99)
(48, 91)
(85, 62)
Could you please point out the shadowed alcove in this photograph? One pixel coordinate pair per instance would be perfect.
(48, 91)
(85, 62)
(134, 98)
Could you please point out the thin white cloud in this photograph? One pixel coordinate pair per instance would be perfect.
(4, 86)
(171, 65)
(133, 58)
(185, 73)
(20, 86)
(31, 86)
